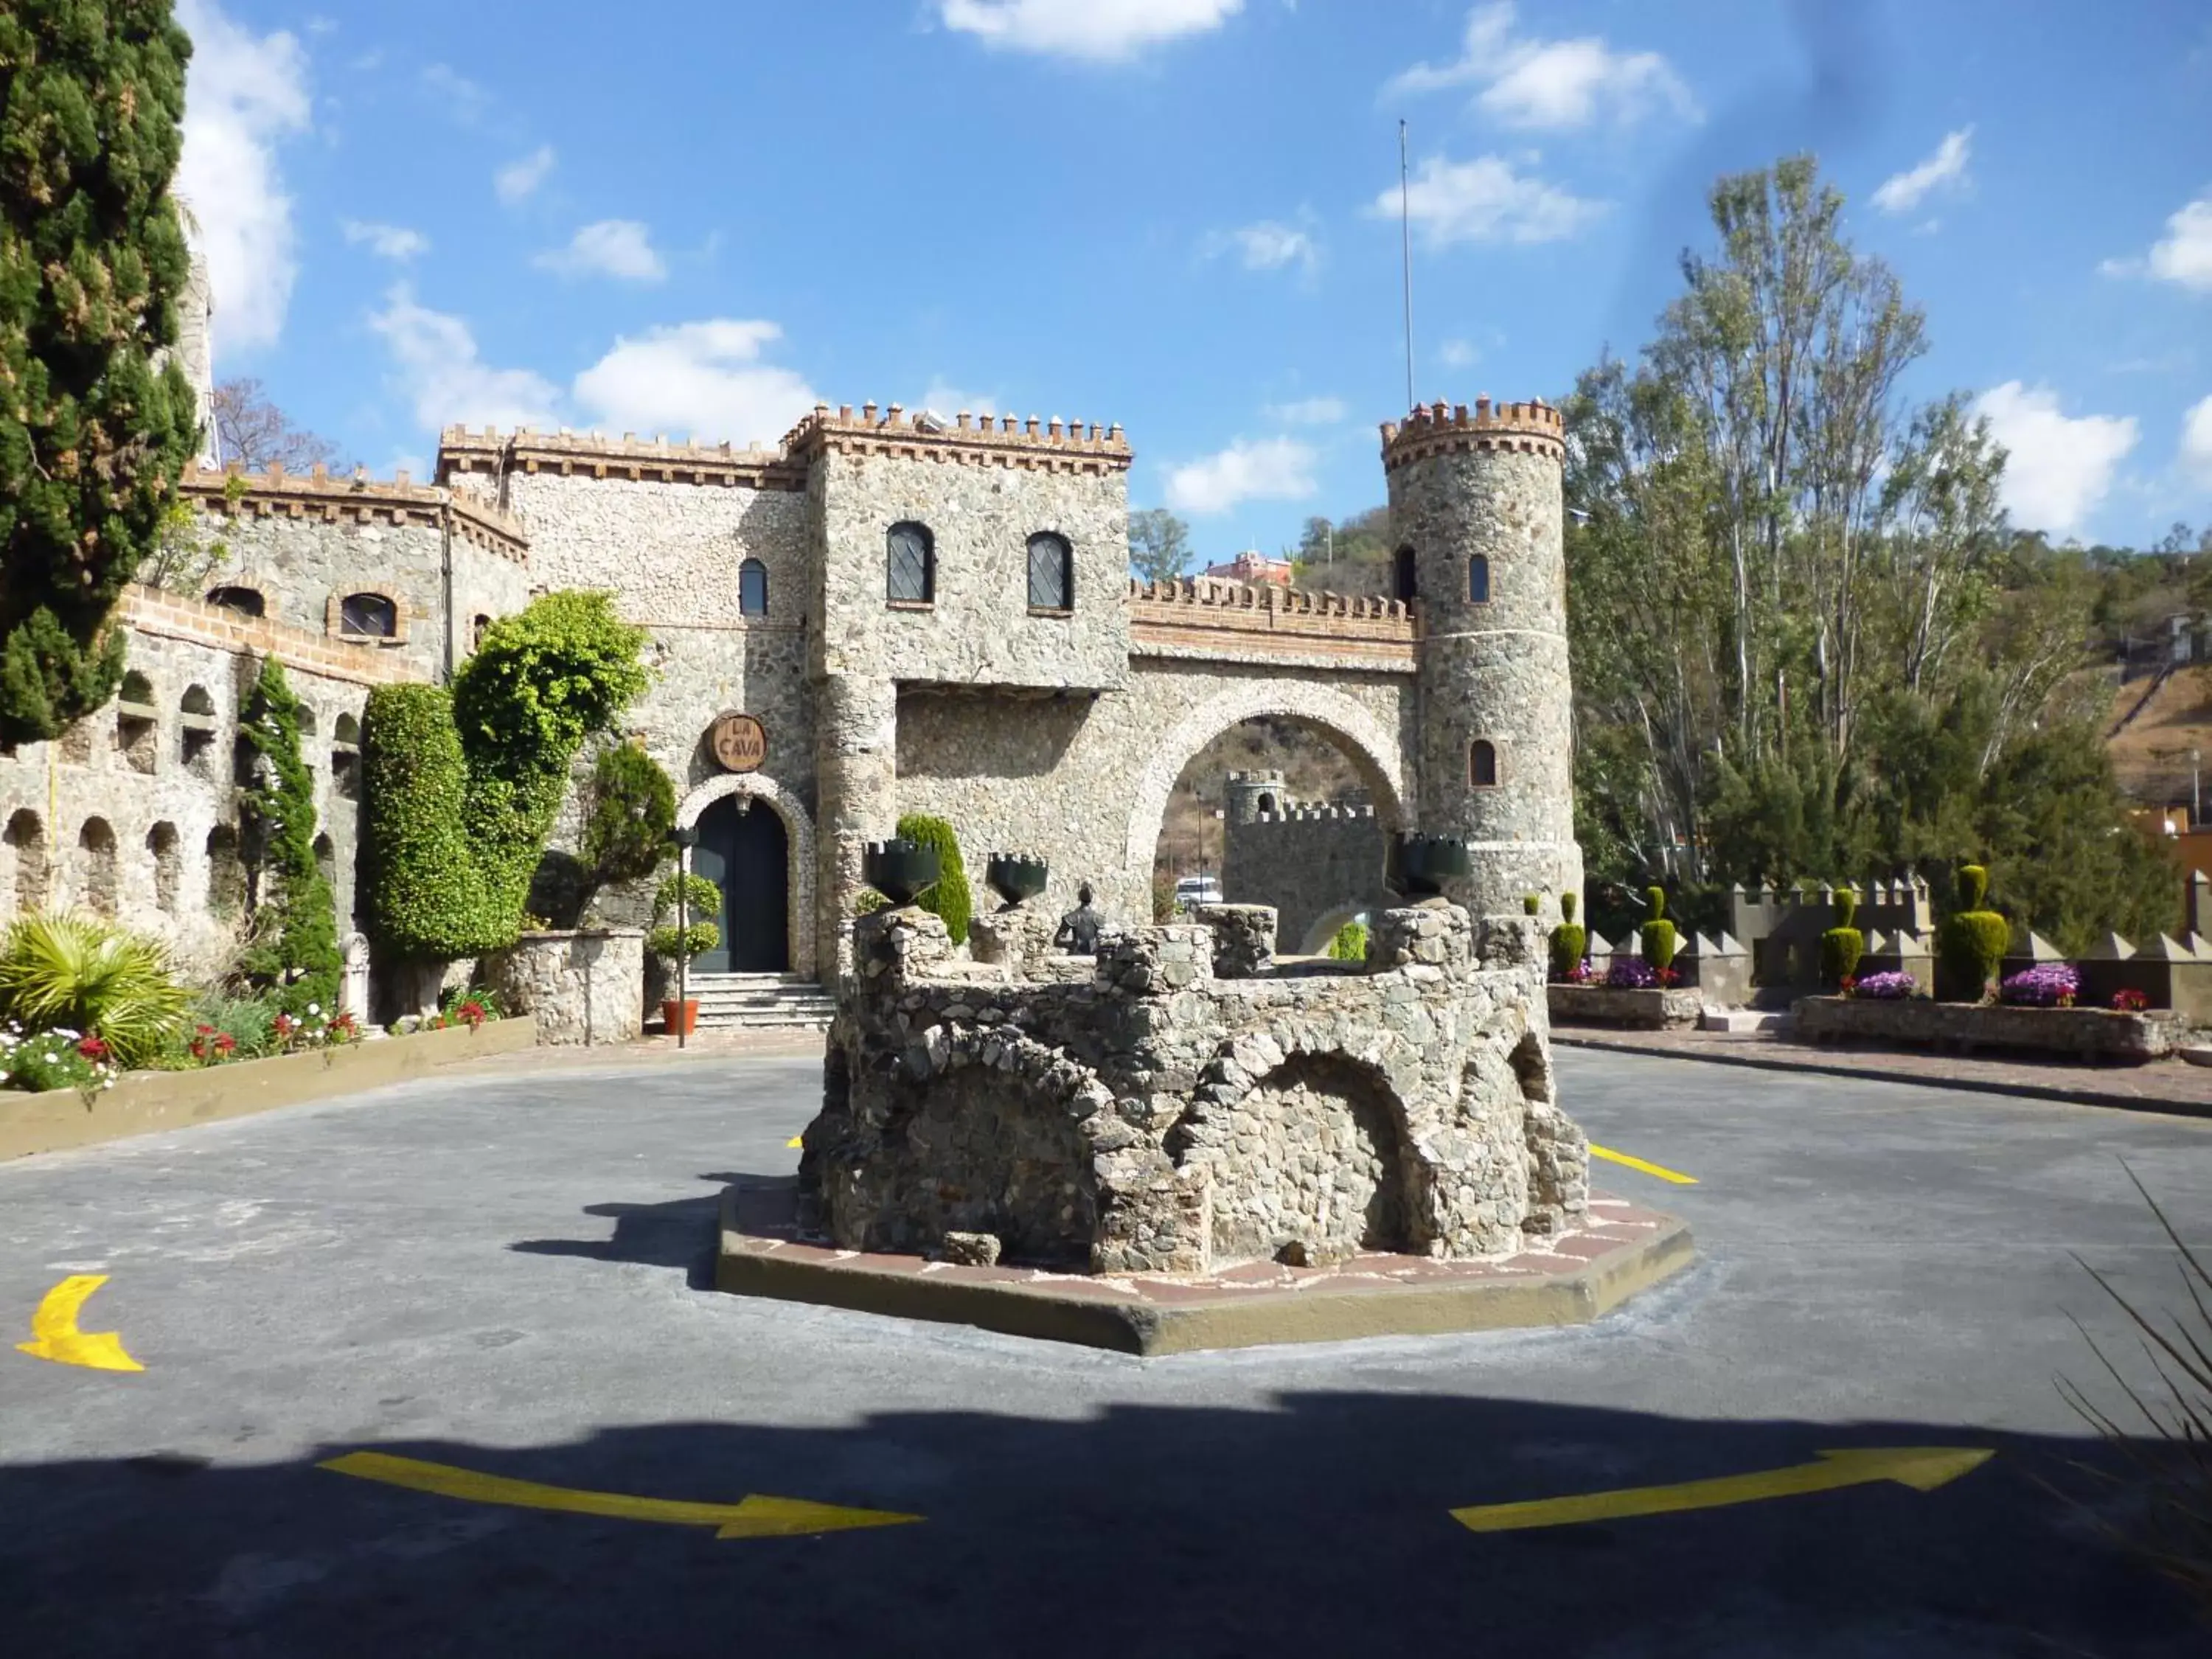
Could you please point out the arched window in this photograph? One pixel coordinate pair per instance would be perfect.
(369, 617)
(478, 629)
(162, 846)
(1482, 764)
(1478, 580)
(247, 601)
(226, 872)
(910, 555)
(1052, 573)
(95, 846)
(137, 723)
(1267, 803)
(24, 842)
(196, 723)
(345, 757)
(1407, 578)
(752, 588)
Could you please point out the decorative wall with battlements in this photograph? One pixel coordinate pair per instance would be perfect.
(1316, 864)
(1156, 1116)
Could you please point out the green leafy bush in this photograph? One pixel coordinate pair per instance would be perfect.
(868, 901)
(629, 808)
(949, 898)
(702, 902)
(424, 896)
(1532, 904)
(86, 975)
(1350, 942)
(1658, 933)
(1569, 939)
(293, 945)
(54, 1060)
(1971, 942)
(1841, 946)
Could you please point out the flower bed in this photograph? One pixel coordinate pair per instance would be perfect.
(1651, 1009)
(141, 1103)
(2090, 1033)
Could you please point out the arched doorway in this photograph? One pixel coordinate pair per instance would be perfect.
(744, 850)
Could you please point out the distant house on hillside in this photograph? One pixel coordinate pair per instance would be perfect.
(1255, 566)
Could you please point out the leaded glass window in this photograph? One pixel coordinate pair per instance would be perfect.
(1052, 573)
(912, 562)
(371, 615)
(1478, 580)
(752, 588)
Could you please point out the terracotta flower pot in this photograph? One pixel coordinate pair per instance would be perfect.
(682, 1018)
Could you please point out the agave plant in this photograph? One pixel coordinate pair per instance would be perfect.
(85, 973)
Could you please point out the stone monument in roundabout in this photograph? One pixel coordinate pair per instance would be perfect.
(1181, 1142)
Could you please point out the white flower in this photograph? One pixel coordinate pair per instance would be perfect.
(315, 1007)
(64, 1031)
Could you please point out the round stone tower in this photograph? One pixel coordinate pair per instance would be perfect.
(1476, 521)
(1251, 793)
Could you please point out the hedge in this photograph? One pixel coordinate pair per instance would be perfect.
(949, 898)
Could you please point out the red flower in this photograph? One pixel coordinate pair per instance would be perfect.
(224, 1042)
(93, 1049)
(2130, 1002)
(471, 1013)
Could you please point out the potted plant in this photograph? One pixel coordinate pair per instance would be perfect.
(683, 913)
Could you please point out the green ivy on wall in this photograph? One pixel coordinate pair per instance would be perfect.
(294, 942)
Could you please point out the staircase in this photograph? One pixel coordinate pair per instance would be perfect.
(760, 1002)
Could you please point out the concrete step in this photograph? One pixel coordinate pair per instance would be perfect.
(760, 1002)
(1743, 1019)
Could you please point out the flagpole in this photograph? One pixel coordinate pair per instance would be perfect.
(1405, 256)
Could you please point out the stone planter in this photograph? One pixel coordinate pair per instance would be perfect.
(581, 986)
(2086, 1033)
(901, 870)
(1674, 1009)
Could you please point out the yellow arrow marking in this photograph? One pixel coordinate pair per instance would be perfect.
(796, 1140)
(756, 1517)
(1922, 1467)
(1623, 1158)
(54, 1334)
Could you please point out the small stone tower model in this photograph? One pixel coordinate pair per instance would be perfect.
(1476, 515)
(1251, 793)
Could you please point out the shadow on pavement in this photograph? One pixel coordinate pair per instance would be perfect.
(677, 1233)
(1319, 1527)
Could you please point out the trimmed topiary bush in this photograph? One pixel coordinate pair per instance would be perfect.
(1569, 939)
(423, 896)
(702, 904)
(629, 810)
(1658, 934)
(1350, 942)
(949, 898)
(1532, 903)
(1841, 946)
(1971, 942)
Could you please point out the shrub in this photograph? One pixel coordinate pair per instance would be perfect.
(2046, 985)
(1350, 942)
(425, 897)
(1532, 904)
(1658, 933)
(85, 974)
(1163, 897)
(629, 808)
(702, 899)
(294, 941)
(1891, 987)
(1841, 946)
(1568, 941)
(868, 901)
(59, 1058)
(949, 898)
(1971, 942)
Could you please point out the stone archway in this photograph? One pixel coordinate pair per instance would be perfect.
(1372, 749)
(798, 832)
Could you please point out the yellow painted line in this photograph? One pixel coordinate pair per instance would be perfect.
(796, 1140)
(1922, 1467)
(756, 1516)
(54, 1334)
(1626, 1162)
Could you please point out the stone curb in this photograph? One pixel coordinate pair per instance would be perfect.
(2062, 1092)
(1236, 1319)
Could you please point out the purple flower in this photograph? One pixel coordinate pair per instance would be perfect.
(1891, 987)
(2046, 985)
(1630, 973)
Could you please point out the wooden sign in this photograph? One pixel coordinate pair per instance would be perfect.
(739, 742)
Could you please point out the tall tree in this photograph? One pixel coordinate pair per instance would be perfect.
(93, 435)
(295, 946)
(252, 432)
(1159, 545)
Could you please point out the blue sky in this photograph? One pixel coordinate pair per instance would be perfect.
(1180, 215)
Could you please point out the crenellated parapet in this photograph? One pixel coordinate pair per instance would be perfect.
(965, 439)
(1236, 621)
(320, 496)
(1533, 428)
(463, 454)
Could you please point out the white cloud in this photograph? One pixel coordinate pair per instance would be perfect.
(1268, 246)
(1553, 84)
(2057, 468)
(2186, 255)
(621, 248)
(1903, 192)
(386, 241)
(944, 398)
(2196, 442)
(434, 357)
(1102, 31)
(463, 98)
(243, 93)
(1272, 470)
(1459, 353)
(703, 378)
(1308, 411)
(519, 180)
(1485, 201)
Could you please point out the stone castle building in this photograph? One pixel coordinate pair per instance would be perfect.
(921, 613)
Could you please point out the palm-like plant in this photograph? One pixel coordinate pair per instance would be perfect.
(82, 972)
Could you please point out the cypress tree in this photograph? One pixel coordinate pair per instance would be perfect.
(297, 933)
(92, 260)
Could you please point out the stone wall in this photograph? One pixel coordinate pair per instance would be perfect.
(1156, 1118)
(583, 987)
(1313, 863)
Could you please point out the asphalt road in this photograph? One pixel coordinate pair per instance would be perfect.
(507, 1275)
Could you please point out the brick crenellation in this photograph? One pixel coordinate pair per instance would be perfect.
(355, 498)
(1050, 446)
(1439, 428)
